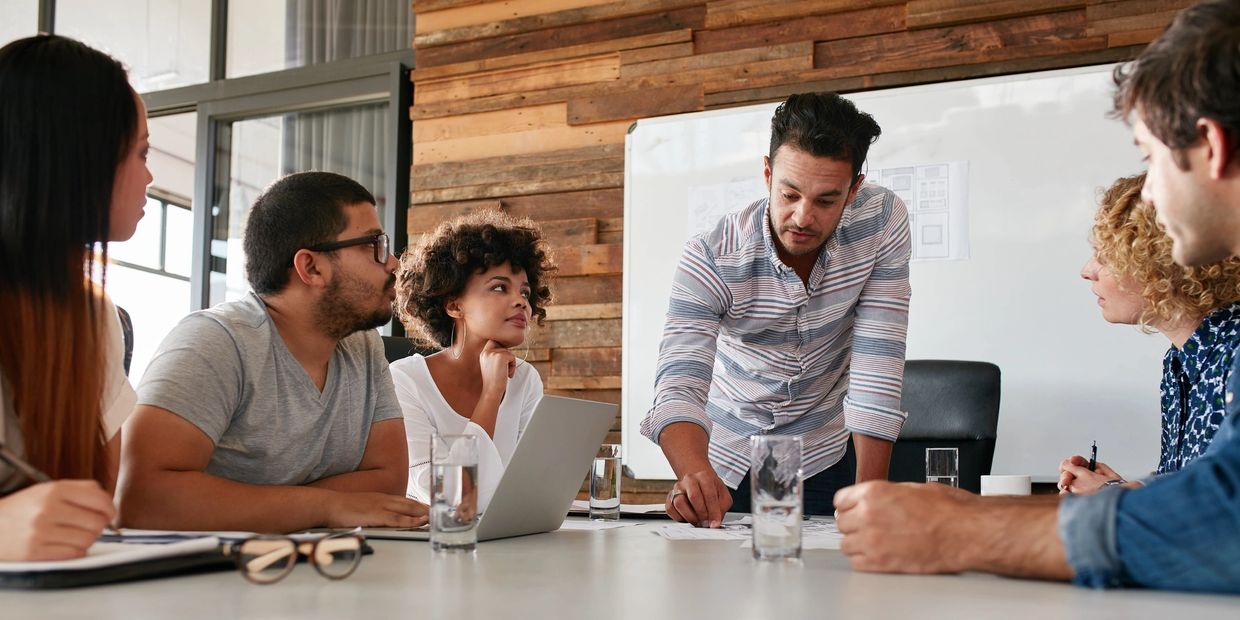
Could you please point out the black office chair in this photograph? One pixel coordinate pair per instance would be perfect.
(399, 347)
(951, 404)
(126, 335)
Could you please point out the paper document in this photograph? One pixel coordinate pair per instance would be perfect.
(586, 524)
(815, 533)
(582, 505)
(104, 554)
(169, 536)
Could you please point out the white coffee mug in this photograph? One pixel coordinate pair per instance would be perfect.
(1006, 485)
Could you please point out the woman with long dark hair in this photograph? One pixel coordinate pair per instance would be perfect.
(73, 176)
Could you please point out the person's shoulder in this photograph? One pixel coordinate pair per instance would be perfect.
(736, 232)
(247, 314)
(413, 367)
(876, 198)
(527, 375)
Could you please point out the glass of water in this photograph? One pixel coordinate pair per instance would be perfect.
(454, 492)
(776, 496)
(943, 466)
(605, 484)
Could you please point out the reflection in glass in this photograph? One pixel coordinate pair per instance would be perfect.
(313, 32)
(350, 141)
(164, 43)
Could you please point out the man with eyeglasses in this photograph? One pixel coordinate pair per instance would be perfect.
(276, 412)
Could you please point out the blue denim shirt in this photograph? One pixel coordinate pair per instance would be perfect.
(1181, 532)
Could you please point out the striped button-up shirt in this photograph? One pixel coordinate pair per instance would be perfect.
(749, 348)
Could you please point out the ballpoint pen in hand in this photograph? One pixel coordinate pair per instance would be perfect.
(35, 474)
(1093, 457)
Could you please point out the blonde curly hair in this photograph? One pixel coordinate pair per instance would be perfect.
(1129, 242)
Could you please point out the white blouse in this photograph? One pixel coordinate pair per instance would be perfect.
(427, 414)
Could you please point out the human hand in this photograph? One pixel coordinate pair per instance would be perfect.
(374, 509)
(1075, 477)
(57, 520)
(700, 498)
(498, 366)
(903, 527)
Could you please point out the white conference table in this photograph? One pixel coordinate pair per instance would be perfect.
(626, 572)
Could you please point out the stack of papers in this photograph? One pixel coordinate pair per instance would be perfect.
(815, 533)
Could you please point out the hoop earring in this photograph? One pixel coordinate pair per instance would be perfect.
(527, 343)
(456, 351)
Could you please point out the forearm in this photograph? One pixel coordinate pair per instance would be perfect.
(390, 480)
(685, 444)
(873, 457)
(194, 500)
(486, 412)
(1015, 538)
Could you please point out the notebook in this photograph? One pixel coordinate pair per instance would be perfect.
(109, 562)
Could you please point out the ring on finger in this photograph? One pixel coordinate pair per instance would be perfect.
(671, 496)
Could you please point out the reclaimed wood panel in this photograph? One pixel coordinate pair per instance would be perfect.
(487, 123)
(533, 23)
(617, 105)
(1053, 34)
(728, 59)
(503, 168)
(552, 38)
(931, 13)
(520, 143)
(611, 230)
(607, 203)
(1132, 15)
(581, 231)
(648, 54)
(573, 312)
(596, 362)
(591, 174)
(728, 13)
(430, 6)
(577, 334)
(587, 260)
(587, 290)
(582, 383)
(424, 218)
(815, 28)
(475, 15)
(536, 77)
(623, 44)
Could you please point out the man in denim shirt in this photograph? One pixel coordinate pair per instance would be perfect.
(1181, 531)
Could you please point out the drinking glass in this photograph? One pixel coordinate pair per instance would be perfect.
(943, 466)
(605, 484)
(776, 496)
(454, 492)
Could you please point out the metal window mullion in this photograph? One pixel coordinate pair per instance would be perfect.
(163, 236)
(399, 160)
(217, 63)
(47, 16)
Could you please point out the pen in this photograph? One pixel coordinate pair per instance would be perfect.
(32, 472)
(1093, 456)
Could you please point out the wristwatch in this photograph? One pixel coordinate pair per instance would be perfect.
(1114, 483)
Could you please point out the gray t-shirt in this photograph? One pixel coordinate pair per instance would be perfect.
(227, 371)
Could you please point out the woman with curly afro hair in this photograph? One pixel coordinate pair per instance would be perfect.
(471, 288)
(1137, 283)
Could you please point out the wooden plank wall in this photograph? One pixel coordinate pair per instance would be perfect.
(522, 105)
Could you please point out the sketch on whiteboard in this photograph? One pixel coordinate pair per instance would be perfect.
(938, 206)
(709, 203)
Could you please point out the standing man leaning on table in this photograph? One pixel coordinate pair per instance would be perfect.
(789, 318)
(1182, 531)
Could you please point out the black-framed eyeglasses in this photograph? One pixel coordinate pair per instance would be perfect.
(380, 242)
(268, 559)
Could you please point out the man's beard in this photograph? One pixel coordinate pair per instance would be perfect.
(338, 313)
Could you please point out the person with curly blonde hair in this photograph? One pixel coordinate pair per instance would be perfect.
(1138, 283)
(472, 287)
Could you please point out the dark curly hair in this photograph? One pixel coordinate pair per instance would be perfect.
(438, 267)
(824, 125)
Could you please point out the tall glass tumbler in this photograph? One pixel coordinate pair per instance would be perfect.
(454, 492)
(605, 484)
(943, 466)
(776, 496)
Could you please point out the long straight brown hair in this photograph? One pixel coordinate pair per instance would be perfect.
(67, 117)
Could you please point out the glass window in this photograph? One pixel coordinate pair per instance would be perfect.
(20, 19)
(271, 35)
(149, 274)
(351, 141)
(164, 43)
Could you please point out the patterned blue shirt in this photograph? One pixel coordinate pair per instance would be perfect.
(749, 348)
(1194, 379)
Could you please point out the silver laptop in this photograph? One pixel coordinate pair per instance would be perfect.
(552, 459)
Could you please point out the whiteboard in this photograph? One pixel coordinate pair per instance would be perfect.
(1039, 150)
